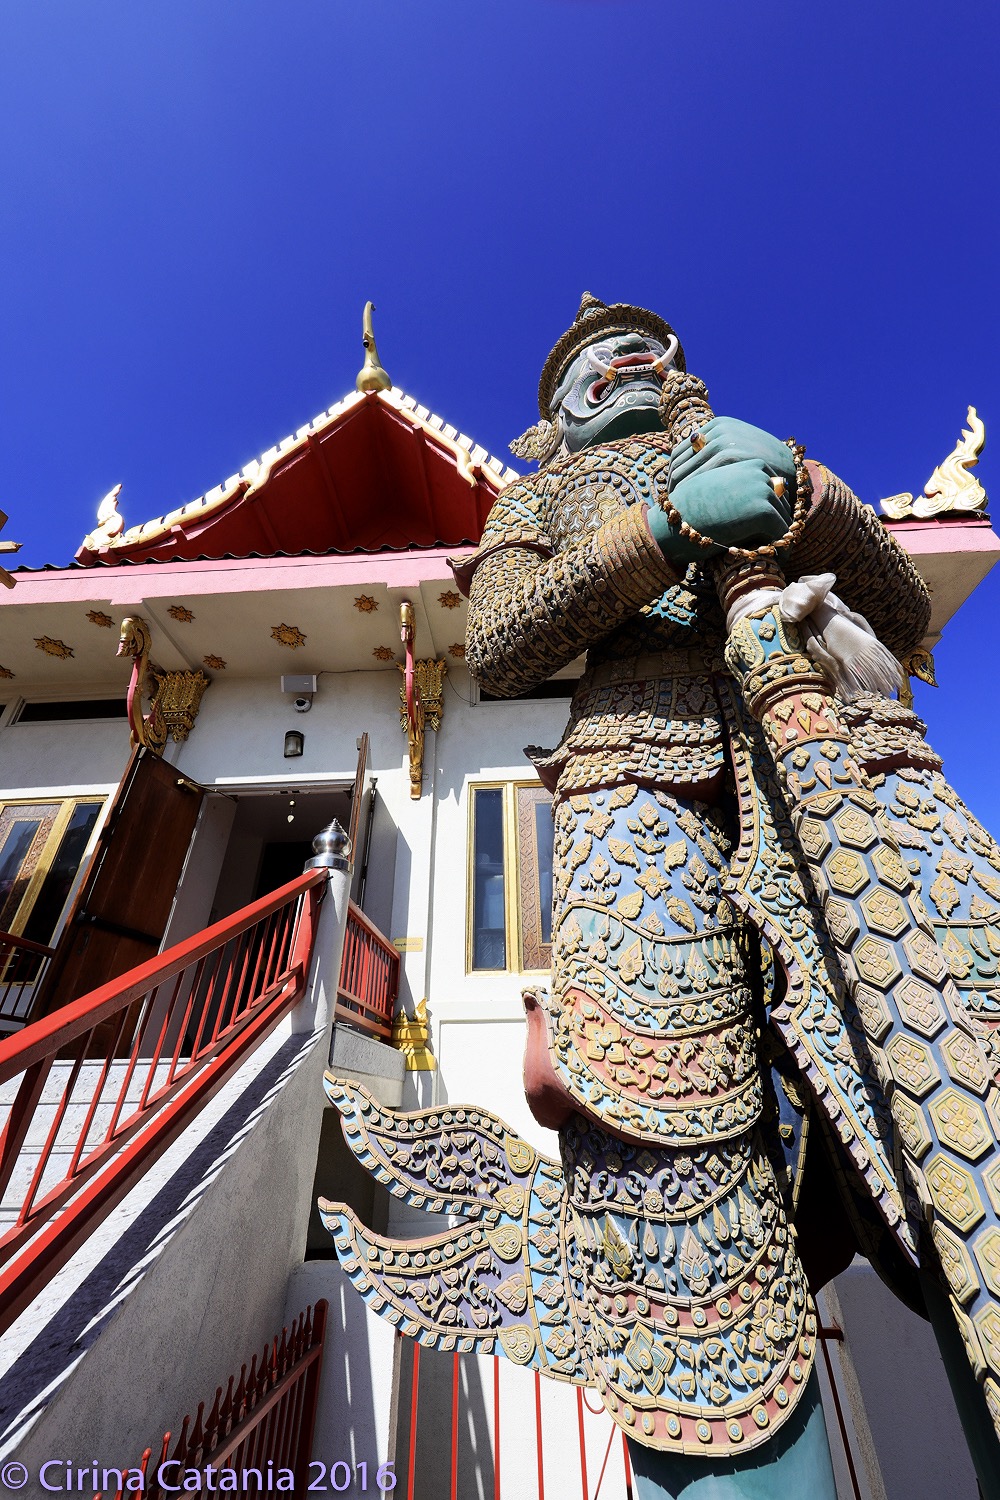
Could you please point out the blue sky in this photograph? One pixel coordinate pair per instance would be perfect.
(197, 197)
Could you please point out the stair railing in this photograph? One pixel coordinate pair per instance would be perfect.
(107, 1082)
(22, 965)
(369, 977)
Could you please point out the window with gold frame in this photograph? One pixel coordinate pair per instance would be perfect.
(41, 845)
(509, 919)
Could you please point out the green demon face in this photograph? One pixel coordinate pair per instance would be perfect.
(612, 389)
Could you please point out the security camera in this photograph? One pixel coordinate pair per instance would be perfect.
(304, 704)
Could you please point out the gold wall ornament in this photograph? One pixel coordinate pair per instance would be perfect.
(214, 663)
(371, 376)
(53, 648)
(919, 663)
(109, 523)
(411, 1035)
(366, 604)
(421, 696)
(288, 635)
(98, 617)
(383, 653)
(178, 701)
(174, 697)
(181, 613)
(430, 681)
(951, 489)
(458, 650)
(6, 673)
(450, 599)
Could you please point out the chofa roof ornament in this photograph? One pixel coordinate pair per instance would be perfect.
(110, 524)
(952, 488)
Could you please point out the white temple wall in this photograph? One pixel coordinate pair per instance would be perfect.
(238, 740)
(68, 759)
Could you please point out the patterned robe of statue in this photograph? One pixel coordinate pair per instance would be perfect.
(721, 1091)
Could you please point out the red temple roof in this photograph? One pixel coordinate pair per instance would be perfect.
(374, 472)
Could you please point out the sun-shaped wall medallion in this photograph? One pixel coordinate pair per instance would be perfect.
(457, 650)
(288, 635)
(180, 612)
(53, 648)
(215, 663)
(6, 672)
(383, 653)
(449, 599)
(98, 617)
(366, 604)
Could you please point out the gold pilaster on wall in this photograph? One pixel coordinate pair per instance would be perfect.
(421, 697)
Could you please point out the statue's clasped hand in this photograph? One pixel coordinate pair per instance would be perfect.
(732, 482)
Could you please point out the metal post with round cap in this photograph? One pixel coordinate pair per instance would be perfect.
(332, 852)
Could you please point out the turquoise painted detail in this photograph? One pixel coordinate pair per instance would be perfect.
(796, 1462)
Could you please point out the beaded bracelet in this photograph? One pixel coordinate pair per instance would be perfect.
(803, 491)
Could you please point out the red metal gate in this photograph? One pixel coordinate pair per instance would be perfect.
(263, 1422)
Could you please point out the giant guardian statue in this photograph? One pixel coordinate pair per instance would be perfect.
(770, 1040)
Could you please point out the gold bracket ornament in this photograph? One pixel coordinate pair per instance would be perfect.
(174, 697)
(411, 1035)
(421, 697)
(179, 700)
(951, 489)
(919, 663)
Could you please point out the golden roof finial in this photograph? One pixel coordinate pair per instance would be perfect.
(371, 376)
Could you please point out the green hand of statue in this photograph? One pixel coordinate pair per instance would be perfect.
(735, 505)
(730, 441)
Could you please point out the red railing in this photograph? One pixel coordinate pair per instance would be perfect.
(265, 1418)
(107, 1082)
(607, 1477)
(22, 964)
(369, 976)
(604, 1469)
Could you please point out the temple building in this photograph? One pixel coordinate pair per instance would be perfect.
(185, 708)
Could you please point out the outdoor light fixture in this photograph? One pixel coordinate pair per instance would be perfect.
(295, 743)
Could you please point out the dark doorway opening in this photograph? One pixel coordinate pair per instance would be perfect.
(280, 863)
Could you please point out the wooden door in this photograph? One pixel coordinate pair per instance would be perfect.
(121, 910)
